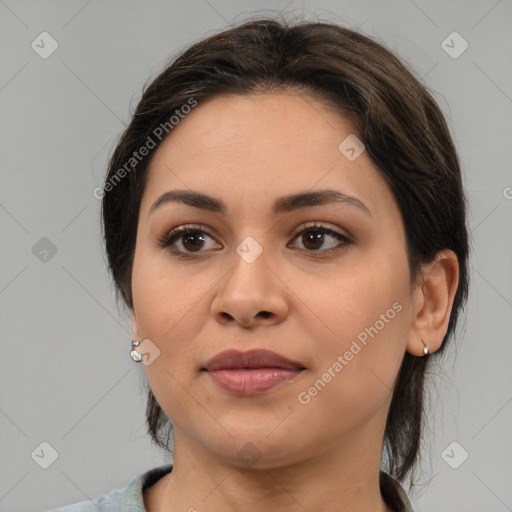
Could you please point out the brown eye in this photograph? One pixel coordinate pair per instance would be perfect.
(315, 237)
(190, 238)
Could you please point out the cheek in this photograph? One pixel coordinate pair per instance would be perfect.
(357, 298)
(364, 310)
(166, 297)
(172, 309)
(355, 369)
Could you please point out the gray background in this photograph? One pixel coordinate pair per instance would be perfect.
(66, 376)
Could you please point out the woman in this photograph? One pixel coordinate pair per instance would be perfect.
(284, 218)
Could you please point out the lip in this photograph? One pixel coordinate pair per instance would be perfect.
(236, 360)
(252, 372)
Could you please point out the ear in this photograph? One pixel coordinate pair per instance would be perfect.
(135, 326)
(432, 301)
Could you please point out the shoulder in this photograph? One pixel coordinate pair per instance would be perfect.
(128, 499)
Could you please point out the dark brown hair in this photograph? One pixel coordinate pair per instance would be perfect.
(398, 120)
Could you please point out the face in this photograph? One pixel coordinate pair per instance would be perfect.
(323, 283)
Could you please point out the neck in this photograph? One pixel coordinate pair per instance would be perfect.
(342, 478)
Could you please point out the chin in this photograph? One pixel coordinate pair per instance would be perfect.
(253, 448)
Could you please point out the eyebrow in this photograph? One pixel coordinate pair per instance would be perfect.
(281, 204)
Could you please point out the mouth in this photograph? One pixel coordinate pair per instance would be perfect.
(250, 373)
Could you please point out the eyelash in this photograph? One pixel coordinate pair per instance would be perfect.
(168, 239)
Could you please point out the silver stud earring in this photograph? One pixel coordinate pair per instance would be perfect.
(425, 349)
(136, 356)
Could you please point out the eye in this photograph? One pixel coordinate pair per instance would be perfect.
(313, 236)
(191, 238)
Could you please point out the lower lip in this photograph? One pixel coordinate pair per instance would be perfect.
(251, 381)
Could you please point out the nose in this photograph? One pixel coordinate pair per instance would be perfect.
(251, 294)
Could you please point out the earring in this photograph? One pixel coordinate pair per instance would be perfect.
(425, 349)
(136, 356)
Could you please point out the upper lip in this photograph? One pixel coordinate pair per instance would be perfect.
(234, 359)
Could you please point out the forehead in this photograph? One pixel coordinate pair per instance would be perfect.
(251, 149)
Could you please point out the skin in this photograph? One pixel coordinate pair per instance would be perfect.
(323, 455)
